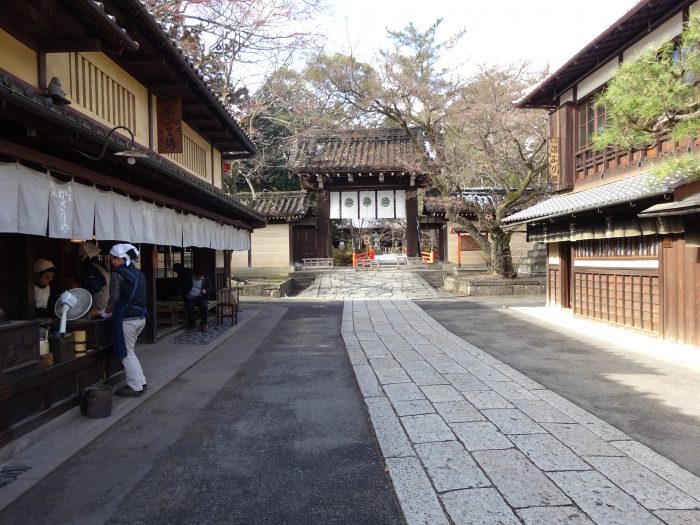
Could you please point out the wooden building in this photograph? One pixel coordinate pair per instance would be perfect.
(361, 175)
(623, 245)
(456, 246)
(107, 133)
(282, 243)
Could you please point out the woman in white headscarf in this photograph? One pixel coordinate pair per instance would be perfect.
(127, 307)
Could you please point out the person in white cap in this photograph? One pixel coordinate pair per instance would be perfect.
(44, 272)
(127, 307)
(95, 277)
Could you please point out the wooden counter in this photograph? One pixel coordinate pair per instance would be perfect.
(31, 396)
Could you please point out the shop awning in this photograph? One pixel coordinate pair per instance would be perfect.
(689, 205)
(623, 191)
(35, 203)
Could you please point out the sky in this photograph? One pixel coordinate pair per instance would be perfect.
(543, 32)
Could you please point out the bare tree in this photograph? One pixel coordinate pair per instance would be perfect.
(244, 49)
(466, 131)
(498, 148)
(237, 42)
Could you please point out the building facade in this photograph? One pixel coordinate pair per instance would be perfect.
(107, 134)
(623, 244)
(274, 247)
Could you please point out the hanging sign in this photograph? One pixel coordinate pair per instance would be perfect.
(169, 125)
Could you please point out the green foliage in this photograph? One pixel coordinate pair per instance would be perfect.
(686, 167)
(655, 95)
(342, 257)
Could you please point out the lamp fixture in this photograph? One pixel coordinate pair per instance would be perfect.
(381, 177)
(130, 154)
(349, 177)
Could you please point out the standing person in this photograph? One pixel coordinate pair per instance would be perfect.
(196, 297)
(44, 272)
(96, 278)
(127, 307)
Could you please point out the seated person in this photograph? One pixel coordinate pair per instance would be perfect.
(194, 287)
(44, 272)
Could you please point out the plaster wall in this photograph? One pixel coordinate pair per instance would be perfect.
(217, 169)
(596, 79)
(666, 31)
(18, 59)
(567, 96)
(270, 248)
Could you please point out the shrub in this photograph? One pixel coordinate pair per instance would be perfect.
(342, 258)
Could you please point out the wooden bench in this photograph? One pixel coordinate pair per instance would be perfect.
(173, 312)
(317, 263)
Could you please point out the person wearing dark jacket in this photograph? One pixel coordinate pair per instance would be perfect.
(195, 288)
(127, 308)
(96, 278)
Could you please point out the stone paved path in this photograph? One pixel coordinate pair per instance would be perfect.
(470, 440)
(384, 284)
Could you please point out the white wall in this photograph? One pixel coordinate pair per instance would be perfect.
(269, 246)
(667, 31)
(596, 79)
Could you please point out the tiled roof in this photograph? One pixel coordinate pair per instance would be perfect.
(278, 204)
(484, 198)
(689, 205)
(355, 151)
(622, 191)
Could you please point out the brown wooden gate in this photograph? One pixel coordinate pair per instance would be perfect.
(304, 243)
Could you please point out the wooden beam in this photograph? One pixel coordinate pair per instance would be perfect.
(69, 45)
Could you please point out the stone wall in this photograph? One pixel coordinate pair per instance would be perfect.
(463, 285)
(285, 288)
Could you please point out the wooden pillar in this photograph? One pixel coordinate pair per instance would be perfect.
(412, 223)
(323, 223)
(459, 250)
(443, 255)
(227, 267)
(149, 263)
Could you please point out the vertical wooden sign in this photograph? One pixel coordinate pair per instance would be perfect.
(169, 125)
(553, 157)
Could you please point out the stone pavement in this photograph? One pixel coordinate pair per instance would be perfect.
(469, 439)
(384, 284)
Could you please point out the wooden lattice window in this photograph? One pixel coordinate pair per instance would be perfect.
(100, 94)
(635, 247)
(193, 156)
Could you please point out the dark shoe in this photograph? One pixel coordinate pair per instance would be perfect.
(126, 391)
(204, 327)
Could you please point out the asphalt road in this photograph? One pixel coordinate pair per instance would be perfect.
(649, 400)
(268, 428)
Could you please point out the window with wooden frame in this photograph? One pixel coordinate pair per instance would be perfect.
(629, 247)
(167, 256)
(591, 119)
